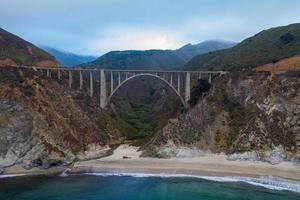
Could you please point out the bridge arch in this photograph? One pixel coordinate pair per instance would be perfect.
(146, 74)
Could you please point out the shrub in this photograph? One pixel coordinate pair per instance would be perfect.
(197, 91)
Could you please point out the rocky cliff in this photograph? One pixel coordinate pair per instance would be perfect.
(254, 116)
(43, 123)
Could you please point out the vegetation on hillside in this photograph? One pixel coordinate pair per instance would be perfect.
(268, 46)
(16, 51)
(145, 107)
(155, 59)
(198, 90)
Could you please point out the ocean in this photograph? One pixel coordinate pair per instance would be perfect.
(127, 186)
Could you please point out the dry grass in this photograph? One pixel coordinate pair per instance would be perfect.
(288, 64)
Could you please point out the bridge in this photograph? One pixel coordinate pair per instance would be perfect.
(112, 80)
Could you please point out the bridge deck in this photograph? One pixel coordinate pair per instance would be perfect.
(123, 70)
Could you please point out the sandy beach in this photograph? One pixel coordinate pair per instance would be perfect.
(126, 159)
(210, 165)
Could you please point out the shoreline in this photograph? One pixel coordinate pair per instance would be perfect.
(209, 165)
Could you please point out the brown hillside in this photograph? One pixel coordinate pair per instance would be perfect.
(16, 51)
(288, 64)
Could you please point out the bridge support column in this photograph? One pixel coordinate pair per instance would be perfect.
(102, 89)
(187, 87)
(70, 79)
(91, 84)
(209, 79)
(111, 82)
(58, 74)
(119, 78)
(200, 75)
(178, 83)
(48, 73)
(80, 80)
(171, 79)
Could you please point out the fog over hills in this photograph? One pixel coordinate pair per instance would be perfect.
(67, 58)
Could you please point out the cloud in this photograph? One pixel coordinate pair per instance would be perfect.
(99, 26)
(136, 38)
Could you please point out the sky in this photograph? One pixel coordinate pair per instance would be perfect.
(94, 27)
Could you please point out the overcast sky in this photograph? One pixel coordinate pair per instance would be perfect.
(95, 27)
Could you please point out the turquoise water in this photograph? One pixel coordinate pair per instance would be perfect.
(91, 187)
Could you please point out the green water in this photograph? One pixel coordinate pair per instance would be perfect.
(88, 187)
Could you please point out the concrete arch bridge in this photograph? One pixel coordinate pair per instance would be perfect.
(112, 80)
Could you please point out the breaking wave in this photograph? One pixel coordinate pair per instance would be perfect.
(11, 175)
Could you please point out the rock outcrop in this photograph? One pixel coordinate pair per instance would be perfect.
(250, 116)
(44, 124)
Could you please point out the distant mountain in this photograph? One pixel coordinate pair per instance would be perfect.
(67, 58)
(155, 59)
(16, 51)
(268, 46)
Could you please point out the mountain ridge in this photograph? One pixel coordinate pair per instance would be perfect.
(16, 51)
(267, 46)
(68, 58)
(155, 58)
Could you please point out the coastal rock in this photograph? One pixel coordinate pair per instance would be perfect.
(43, 125)
(296, 159)
(276, 156)
(93, 151)
(246, 156)
(251, 116)
(171, 150)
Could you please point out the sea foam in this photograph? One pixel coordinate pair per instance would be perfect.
(11, 175)
(270, 182)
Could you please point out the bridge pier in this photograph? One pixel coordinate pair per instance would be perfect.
(70, 79)
(111, 82)
(91, 84)
(187, 87)
(169, 77)
(58, 74)
(80, 80)
(102, 89)
(178, 83)
(48, 73)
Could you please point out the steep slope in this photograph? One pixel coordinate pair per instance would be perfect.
(155, 59)
(292, 63)
(16, 51)
(251, 116)
(145, 104)
(43, 123)
(67, 58)
(268, 46)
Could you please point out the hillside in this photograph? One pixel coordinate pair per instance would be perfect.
(268, 46)
(250, 116)
(49, 126)
(292, 63)
(155, 59)
(16, 51)
(67, 58)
